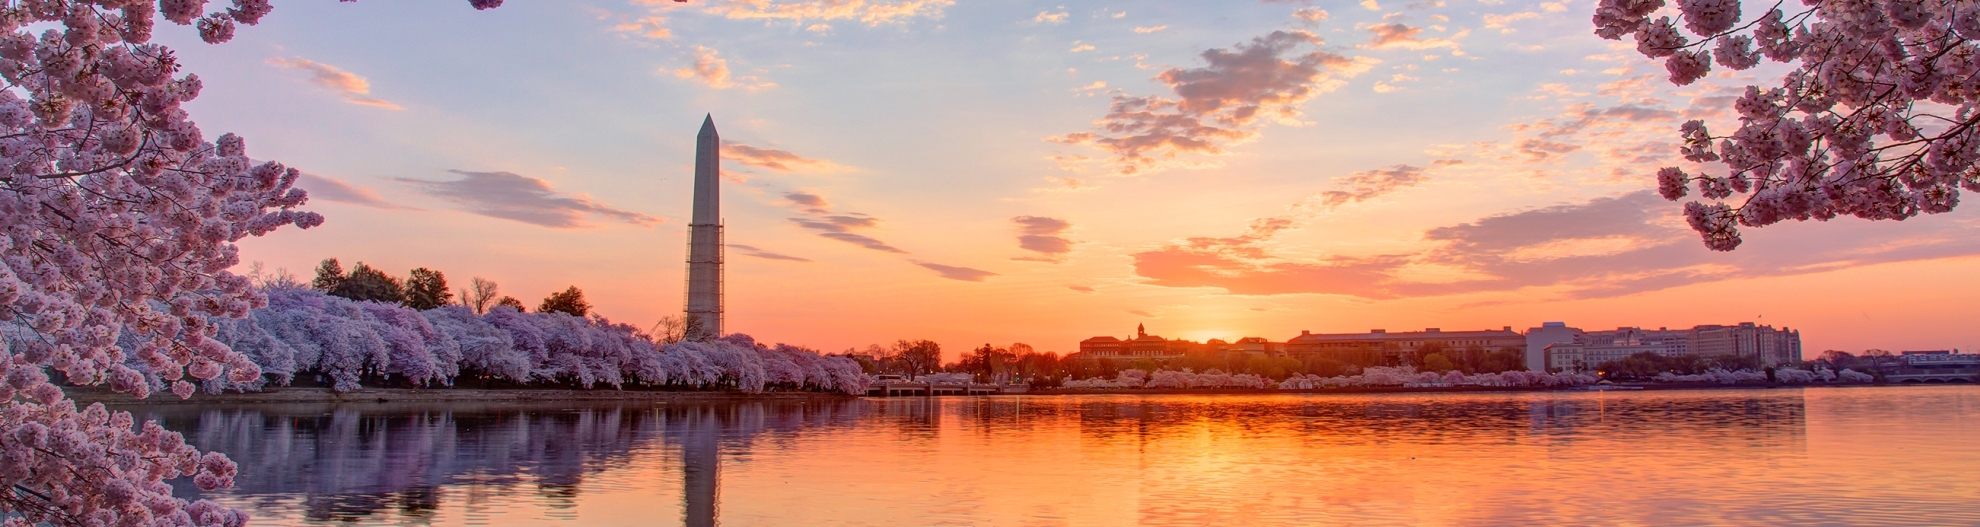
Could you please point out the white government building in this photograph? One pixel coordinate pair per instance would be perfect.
(1556, 347)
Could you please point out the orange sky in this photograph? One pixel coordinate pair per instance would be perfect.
(1015, 172)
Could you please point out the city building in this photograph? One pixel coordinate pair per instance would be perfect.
(1562, 348)
(1152, 347)
(1938, 359)
(1142, 346)
(1395, 346)
(1537, 340)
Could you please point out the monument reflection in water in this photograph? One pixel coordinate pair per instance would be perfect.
(1713, 457)
(354, 462)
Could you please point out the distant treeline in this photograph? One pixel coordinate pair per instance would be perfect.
(1020, 362)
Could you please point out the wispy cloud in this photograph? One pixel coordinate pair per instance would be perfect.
(354, 88)
(811, 203)
(1372, 183)
(529, 200)
(647, 26)
(871, 13)
(1149, 29)
(1048, 17)
(1041, 235)
(713, 70)
(958, 273)
(1605, 247)
(819, 218)
(332, 189)
(1499, 22)
(1396, 35)
(1218, 104)
(753, 252)
(1310, 16)
(774, 159)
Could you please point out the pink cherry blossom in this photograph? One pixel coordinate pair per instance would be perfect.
(1879, 117)
(120, 220)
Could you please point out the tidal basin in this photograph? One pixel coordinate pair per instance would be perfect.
(1816, 456)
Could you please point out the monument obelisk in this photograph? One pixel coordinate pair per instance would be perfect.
(704, 273)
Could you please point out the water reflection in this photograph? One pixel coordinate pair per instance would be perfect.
(349, 462)
(1666, 458)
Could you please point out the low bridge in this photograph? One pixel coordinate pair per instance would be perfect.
(930, 389)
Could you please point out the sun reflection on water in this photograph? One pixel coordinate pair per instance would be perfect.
(1715, 457)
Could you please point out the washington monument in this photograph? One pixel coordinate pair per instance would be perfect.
(704, 263)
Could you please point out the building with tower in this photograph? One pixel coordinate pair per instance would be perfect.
(703, 315)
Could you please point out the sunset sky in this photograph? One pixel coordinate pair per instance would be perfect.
(1044, 172)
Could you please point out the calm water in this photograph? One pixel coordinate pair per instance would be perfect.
(1835, 456)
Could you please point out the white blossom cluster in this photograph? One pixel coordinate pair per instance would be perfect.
(1877, 120)
(306, 332)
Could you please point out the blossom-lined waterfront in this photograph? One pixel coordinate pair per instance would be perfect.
(1815, 456)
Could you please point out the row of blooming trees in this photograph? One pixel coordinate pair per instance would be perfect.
(348, 343)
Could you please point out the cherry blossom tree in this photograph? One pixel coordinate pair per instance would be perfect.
(306, 332)
(1876, 118)
(120, 222)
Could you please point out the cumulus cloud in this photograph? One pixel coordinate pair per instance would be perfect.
(332, 189)
(1219, 104)
(1041, 235)
(774, 159)
(754, 252)
(354, 88)
(525, 199)
(713, 70)
(957, 273)
(1604, 247)
(871, 13)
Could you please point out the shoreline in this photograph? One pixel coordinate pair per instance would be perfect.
(95, 394)
(278, 395)
(1447, 389)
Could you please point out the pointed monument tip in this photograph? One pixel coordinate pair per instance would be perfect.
(708, 123)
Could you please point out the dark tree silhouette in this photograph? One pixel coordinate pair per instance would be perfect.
(569, 301)
(917, 357)
(367, 283)
(328, 275)
(511, 302)
(427, 289)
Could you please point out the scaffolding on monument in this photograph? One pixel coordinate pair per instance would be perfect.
(687, 291)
